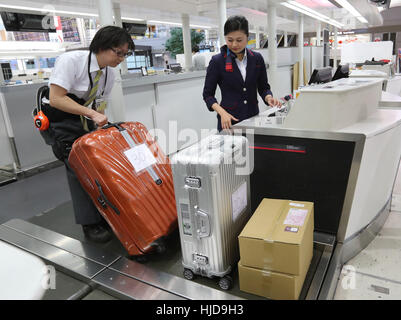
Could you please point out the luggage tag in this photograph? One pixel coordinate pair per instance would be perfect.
(140, 157)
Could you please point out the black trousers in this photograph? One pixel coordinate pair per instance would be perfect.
(84, 209)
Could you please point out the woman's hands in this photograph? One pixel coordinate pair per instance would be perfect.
(273, 102)
(226, 118)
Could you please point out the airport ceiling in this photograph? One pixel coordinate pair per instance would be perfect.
(204, 13)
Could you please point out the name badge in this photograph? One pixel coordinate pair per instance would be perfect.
(101, 104)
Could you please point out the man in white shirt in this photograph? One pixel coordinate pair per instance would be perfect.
(198, 60)
(77, 107)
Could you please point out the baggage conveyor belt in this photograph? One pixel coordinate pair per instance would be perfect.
(87, 270)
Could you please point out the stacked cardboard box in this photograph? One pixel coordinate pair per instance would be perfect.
(276, 249)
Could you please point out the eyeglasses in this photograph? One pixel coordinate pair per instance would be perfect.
(122, 54)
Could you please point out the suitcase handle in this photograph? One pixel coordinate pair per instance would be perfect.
(102, 199)
(115, 125)
(203, 230)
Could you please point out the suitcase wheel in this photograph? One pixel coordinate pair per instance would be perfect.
(160, 246)
(140, 259)
(226, 283)
(188, 274)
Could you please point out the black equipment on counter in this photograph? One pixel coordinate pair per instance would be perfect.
(321, 75)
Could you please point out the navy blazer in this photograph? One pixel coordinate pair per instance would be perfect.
(239, 98)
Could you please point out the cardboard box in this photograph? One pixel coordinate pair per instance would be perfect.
(272, 285)
(279, 237)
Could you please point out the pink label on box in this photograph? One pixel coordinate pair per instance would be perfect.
(296, 217)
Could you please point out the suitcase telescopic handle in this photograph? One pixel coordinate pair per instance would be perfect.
(102, 199)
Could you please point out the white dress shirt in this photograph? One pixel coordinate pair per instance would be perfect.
(242, 65)
(71, 73)
(198, 61)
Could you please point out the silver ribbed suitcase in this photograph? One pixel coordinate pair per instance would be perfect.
(213, 204)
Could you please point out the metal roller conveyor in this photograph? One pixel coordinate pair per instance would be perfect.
(98, 270)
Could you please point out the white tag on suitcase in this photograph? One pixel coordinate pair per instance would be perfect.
(140, 157)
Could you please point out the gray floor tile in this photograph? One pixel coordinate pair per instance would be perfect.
(356, 286)
(28, 197)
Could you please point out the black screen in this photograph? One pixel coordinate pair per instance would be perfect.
(7, 72)
(341, 72)
(27, 22)
(322, 75)
(304, 170)
(136, 29)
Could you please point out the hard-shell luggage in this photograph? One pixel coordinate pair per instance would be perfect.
(213, 204)
(129, 179)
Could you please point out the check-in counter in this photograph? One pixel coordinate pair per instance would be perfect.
(172, 105)
(357, 73)
(25, 147)
(390, 101)
(391, 95)
(337, 149)
(392, 83)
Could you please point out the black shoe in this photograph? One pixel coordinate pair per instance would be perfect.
(96, 233)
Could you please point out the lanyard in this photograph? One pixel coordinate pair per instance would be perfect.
(89, 74)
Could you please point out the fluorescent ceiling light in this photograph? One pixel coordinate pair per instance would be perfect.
(346, 5)
(200, 27)
(164, 22)
(177, 24)
(303, 7)
(311, 13)
(48, 9)
(132, 19)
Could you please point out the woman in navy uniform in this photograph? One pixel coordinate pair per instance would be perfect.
(240, 74)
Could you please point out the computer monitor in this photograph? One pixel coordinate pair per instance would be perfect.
(321, 75)
(175, 67)
(341, 72)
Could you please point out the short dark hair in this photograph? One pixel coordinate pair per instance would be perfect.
(111, 37)
(236, 23)
(195, 48)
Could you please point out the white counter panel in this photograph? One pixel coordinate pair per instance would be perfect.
(181, 113)
(376, 178)
(139, 103)
(394, 85)
(390, 101)
(378, 122)
(335, 105)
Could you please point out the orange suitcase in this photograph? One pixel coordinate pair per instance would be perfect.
(129, 179)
